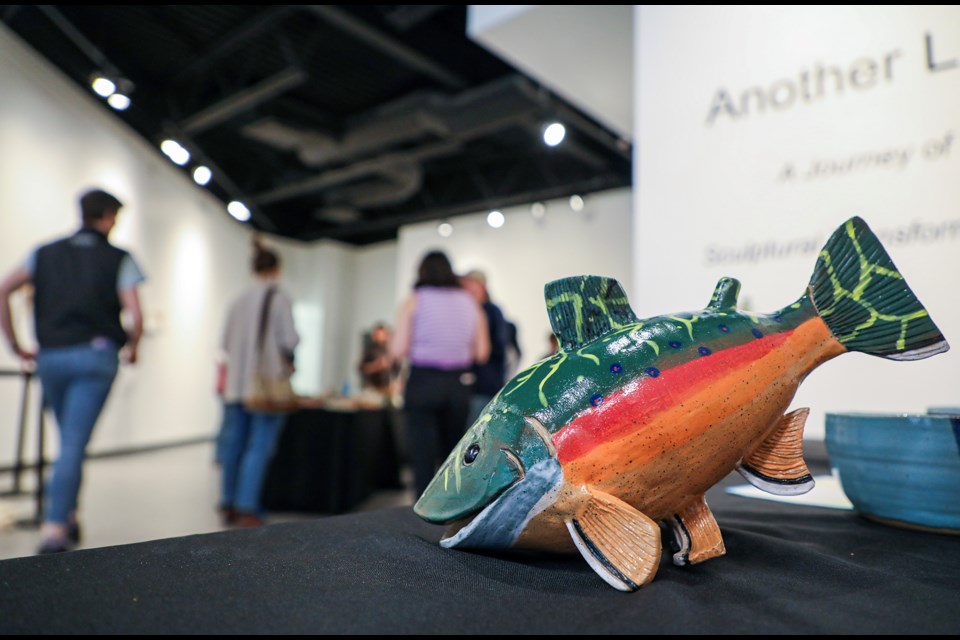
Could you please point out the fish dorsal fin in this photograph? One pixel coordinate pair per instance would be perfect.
(698, 536)
(725, 295)
(584, 308)
(618, 542)
(777, 465)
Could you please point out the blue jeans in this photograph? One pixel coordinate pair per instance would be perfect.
(248, 440)
(76, 381)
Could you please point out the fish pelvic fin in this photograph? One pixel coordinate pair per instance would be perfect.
(866, 302)
(697, 534)
(621, 544)
(776, 465)
(585, 308)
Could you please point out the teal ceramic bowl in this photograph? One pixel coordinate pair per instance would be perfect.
(899, 469)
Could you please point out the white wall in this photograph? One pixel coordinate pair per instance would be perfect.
(583, 53)
(718, 184)
(523, 255)
(58, 141)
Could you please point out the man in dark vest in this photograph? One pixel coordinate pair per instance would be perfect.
(81, 284)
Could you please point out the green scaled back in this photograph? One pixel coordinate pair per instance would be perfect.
(866, 303)
(584, 308)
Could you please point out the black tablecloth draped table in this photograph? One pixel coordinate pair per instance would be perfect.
(331, 461)
(788, 570)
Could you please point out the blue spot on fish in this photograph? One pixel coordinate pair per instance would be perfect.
(653, 372)
(778, 319)
(724, 328)
(704, 351)
(596, 400)
(757, 333)
(616, 368)
(675, 344)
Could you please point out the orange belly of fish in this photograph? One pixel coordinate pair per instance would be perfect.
(678, 453)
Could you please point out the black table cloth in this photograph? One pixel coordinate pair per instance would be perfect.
(331, 461)
(788, 569)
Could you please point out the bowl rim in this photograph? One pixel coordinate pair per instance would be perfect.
(877, 414)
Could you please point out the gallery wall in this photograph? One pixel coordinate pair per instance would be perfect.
(58, 141)
(762, 129)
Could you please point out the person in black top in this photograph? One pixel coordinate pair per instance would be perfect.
(490, 375)
(81, 284)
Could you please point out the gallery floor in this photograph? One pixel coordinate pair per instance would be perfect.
(146, 496)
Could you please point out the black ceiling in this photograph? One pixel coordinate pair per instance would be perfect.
(330, 121)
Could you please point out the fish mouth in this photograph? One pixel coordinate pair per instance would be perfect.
(466, 521)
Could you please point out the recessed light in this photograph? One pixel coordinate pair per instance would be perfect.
(103, 87)
(119, 101)
(202, 175)
(554, 134)
(495, 219)
(239, 211)
(175, 151)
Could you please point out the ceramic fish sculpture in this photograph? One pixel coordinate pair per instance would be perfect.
(630, 423)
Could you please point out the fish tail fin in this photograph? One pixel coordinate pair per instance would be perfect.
(866, 302)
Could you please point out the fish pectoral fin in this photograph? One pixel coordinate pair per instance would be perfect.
(777, 465)
(697, 534)
(618, 542)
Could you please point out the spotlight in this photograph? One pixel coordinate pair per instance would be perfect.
(103, 87)
(119, 101)
(238, 211)
(173, 150)
(553, 134)
(538, 210)
(445, 229)
(495, 219)
(576, 203)
(202, 175)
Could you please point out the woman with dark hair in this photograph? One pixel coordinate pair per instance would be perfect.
(441, 331)
(259, 337)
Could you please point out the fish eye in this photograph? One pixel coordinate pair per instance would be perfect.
(472, 452)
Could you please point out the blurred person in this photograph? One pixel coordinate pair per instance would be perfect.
(82, 284)
(513, 352)
(377, 369)
(259, 335)
(441, 331)
(489, 374)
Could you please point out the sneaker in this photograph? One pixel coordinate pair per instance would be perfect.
(73, 532)
(54, 545)
(228, 516)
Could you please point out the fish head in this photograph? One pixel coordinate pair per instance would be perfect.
(491, 457)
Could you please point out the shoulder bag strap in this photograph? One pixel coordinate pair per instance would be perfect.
(264, 321)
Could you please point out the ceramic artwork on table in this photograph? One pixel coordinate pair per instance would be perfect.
(632, 421)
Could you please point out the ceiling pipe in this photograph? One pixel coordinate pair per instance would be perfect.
(233, 40)
(244, 100)
(357, 171)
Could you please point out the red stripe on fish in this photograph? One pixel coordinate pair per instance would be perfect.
(630, 407)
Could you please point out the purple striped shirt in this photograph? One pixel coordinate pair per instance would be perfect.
(443, 327)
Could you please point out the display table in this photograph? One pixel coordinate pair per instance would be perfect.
(788, 569)
(330, 461)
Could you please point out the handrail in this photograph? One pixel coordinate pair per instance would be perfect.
(19, 466)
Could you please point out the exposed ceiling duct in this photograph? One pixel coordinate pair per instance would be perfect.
(437, 124)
